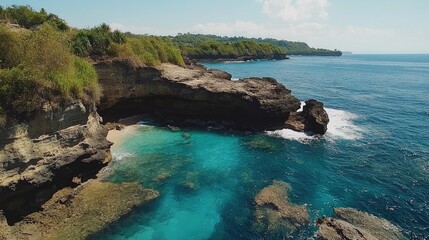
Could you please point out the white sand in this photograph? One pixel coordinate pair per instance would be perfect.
(117, 137)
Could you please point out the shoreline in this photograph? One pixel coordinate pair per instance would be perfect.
(117, 137)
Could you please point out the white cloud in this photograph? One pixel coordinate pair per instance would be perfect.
(295, 10)
(130, 28)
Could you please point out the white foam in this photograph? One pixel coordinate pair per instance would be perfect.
(235, 79)
(340, 126)
(119, 156)
(291, 135)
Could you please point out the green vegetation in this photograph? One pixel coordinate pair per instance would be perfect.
(291, 48)
(45, 62)
(100, 42)
(40, 69)
(26, 17)
(239, 50)
(149, 50)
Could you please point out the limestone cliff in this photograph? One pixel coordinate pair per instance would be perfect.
(53, 149)
(172, 92)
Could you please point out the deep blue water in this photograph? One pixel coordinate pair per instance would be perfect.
(375, 156)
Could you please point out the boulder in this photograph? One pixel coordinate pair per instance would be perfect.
(315, 117)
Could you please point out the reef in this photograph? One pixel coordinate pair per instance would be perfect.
(274, 213)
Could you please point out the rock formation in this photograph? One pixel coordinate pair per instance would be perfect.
(275, 214)
(350, 223)
(312, 119)
(315, 117)
(172, 92)
(62, 147)
(52, 150)
(80, 212)
(175, 93)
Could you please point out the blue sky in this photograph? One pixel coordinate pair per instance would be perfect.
(361, 26)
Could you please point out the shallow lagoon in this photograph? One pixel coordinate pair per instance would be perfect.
(375, 156)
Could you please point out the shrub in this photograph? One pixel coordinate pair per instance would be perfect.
(44, 70)
(152, 50)
(10, 47)
(19, 93)
(96, 42)
(28, 17)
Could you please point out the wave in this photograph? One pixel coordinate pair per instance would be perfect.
(341, 126)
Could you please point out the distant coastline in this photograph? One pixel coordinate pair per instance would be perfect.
(216, 48)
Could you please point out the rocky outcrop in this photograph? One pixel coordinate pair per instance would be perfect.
(172, 92)
(275, 214)
(78, 213)
(350, 223)
(313, 118)
(334, 229)
(54, 149)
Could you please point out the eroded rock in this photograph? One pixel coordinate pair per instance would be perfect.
(315, 117)
(80, 212)
(377, 226)
(173, 92)
(350, 223)
(46, 153)
(334, 229)
(275, 214)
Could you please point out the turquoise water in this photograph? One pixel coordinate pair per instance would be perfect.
(375, 156)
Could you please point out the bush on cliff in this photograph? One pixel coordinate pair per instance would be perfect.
(27, 17)
(96, 42)
(152, 50)
(40, 69)
(101, 42)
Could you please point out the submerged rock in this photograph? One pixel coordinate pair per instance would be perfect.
(350, 223)
(78, 213)
(261, 143)
(163, 176)
(275, 214)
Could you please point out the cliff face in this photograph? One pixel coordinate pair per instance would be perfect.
(172, 92)
(52, 150)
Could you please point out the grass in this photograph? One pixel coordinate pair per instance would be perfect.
(46, 62)
(40, 68)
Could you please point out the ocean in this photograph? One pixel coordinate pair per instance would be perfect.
(374, 157)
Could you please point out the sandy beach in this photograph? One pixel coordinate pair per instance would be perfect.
(117, 137)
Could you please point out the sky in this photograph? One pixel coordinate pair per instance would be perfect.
(359, 26)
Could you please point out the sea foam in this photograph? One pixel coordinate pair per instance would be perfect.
(340, 126)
